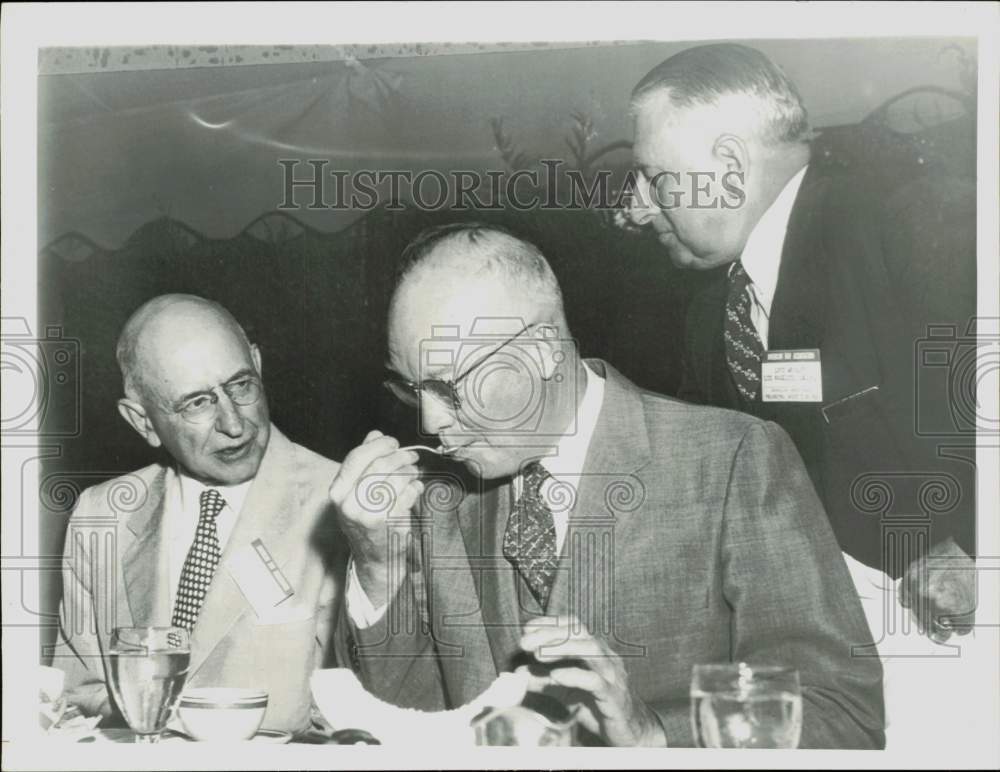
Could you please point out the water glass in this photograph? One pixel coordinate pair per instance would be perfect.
(147, 667)
(736, 705)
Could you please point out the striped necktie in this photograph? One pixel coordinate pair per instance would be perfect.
(744, 351)
(529, 542)
(200, 564)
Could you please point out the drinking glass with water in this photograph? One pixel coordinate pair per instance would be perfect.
(147, 667)
(736, 705)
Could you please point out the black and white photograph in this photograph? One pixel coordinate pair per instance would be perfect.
(501, 385)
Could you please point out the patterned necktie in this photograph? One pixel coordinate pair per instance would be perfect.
(529, 542)
(744, 350)
(200, 564)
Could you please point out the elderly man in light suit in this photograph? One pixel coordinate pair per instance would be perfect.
(617, 536)
(235, 495)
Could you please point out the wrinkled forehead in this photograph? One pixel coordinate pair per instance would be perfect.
(664, 133)
(184, 353)
(442, 314)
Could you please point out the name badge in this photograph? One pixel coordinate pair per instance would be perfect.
(794, 375)
(259, 578)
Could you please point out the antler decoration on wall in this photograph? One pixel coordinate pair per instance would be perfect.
(373, 84)
(509, 152)
(578, 142)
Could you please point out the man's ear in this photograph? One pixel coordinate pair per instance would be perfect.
(551, 349)
(255, 356)
(732, 152)
(136, 417)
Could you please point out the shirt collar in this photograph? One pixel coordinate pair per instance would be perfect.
(234, 495)
(571, 451)
(761, 256)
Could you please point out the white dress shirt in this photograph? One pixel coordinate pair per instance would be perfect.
(761, 258)
(182, 508)
(566, 467)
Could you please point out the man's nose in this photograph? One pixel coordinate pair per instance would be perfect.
(640, 209)
(228, 418)
(435, 416)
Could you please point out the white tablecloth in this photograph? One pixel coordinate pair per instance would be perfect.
(934, 693)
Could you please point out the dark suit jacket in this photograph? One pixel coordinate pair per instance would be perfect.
(694, 536)
(115, 575)
(864, 272)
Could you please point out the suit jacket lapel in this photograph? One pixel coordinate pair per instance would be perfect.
(489, 637)
(816, 301)
(269, 512)
(144, 566)
(503, 634)
(798, 310)
(721, 388)
(607, 492)
(464, 644)
(706, 357)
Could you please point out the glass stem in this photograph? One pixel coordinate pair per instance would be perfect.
(152, 737)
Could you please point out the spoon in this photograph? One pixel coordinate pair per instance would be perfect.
(441, 450)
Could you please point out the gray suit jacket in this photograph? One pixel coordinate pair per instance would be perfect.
(115, 575)
(694, 536)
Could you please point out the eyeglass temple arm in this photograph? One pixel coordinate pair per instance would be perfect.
(487, 355)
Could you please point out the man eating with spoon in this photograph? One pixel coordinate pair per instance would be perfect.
(615, 536)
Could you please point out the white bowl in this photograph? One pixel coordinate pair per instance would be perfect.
(222, 714)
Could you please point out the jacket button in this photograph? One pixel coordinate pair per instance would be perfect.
(352, 648)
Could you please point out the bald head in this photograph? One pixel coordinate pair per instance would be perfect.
(163, 322)
(728, 87)
(459, 258)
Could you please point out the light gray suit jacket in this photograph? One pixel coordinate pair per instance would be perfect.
(695, 536)
(115, 575)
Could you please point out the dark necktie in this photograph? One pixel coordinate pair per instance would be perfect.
(529, 542)
(744, 350)
(199, 566)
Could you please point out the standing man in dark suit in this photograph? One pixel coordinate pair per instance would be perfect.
(827, 284)
(619, 536)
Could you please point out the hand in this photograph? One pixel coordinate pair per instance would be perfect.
(609, 707)
(940, 591)
(376, 482)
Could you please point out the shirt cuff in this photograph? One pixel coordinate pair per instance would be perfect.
(359, 608)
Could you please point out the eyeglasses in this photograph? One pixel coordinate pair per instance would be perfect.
(202, 408)
(445, 391)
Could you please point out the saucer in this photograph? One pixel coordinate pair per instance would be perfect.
(271, 737)
(263, 736)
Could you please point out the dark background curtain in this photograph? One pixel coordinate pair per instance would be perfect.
(316, 303)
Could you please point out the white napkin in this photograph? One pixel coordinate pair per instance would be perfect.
(57, 718)
(346, 704)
